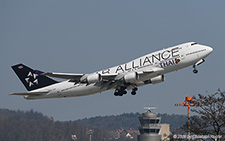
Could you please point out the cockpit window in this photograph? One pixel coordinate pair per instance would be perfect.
(193, 44)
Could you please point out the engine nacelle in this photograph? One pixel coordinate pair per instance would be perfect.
(93, 78)
(157, 79)
(131, 77)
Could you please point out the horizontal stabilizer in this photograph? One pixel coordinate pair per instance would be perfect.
(29, 93)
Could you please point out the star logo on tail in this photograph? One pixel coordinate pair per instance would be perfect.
(31, 79)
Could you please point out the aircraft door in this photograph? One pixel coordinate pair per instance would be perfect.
(56, 92)
(182, 52)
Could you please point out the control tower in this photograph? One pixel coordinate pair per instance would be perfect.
(150, 126)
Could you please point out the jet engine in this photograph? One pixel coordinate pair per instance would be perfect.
(131, 77)
(93, 78)
(157, 79)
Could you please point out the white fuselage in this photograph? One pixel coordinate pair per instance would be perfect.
(164, 61)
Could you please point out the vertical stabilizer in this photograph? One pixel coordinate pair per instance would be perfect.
(32, 79)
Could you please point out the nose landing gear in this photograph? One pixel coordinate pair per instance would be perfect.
(195, 71)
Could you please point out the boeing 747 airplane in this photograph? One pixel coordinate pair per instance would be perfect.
(148, 69)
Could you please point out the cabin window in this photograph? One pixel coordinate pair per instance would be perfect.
(193, 44)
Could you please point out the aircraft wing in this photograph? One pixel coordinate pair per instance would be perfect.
(105, 77)
(141, 72)
(151, 70)
(117, 80)
(109, 77)
(74, 76)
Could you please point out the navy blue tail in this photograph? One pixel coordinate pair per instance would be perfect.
(32, 79)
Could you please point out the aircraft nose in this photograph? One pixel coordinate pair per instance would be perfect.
(209, 49)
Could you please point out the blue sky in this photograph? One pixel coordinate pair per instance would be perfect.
(86, 36)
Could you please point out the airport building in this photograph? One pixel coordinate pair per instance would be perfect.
(151, 129)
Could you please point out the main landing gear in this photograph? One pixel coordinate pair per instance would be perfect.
(122, 91)
(134, 91)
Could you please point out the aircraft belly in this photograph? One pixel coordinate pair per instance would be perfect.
(31, 97)
(81, 90)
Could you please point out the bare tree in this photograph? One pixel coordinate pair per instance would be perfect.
(210, 120)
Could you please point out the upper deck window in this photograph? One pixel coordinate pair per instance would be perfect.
(193, 44)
